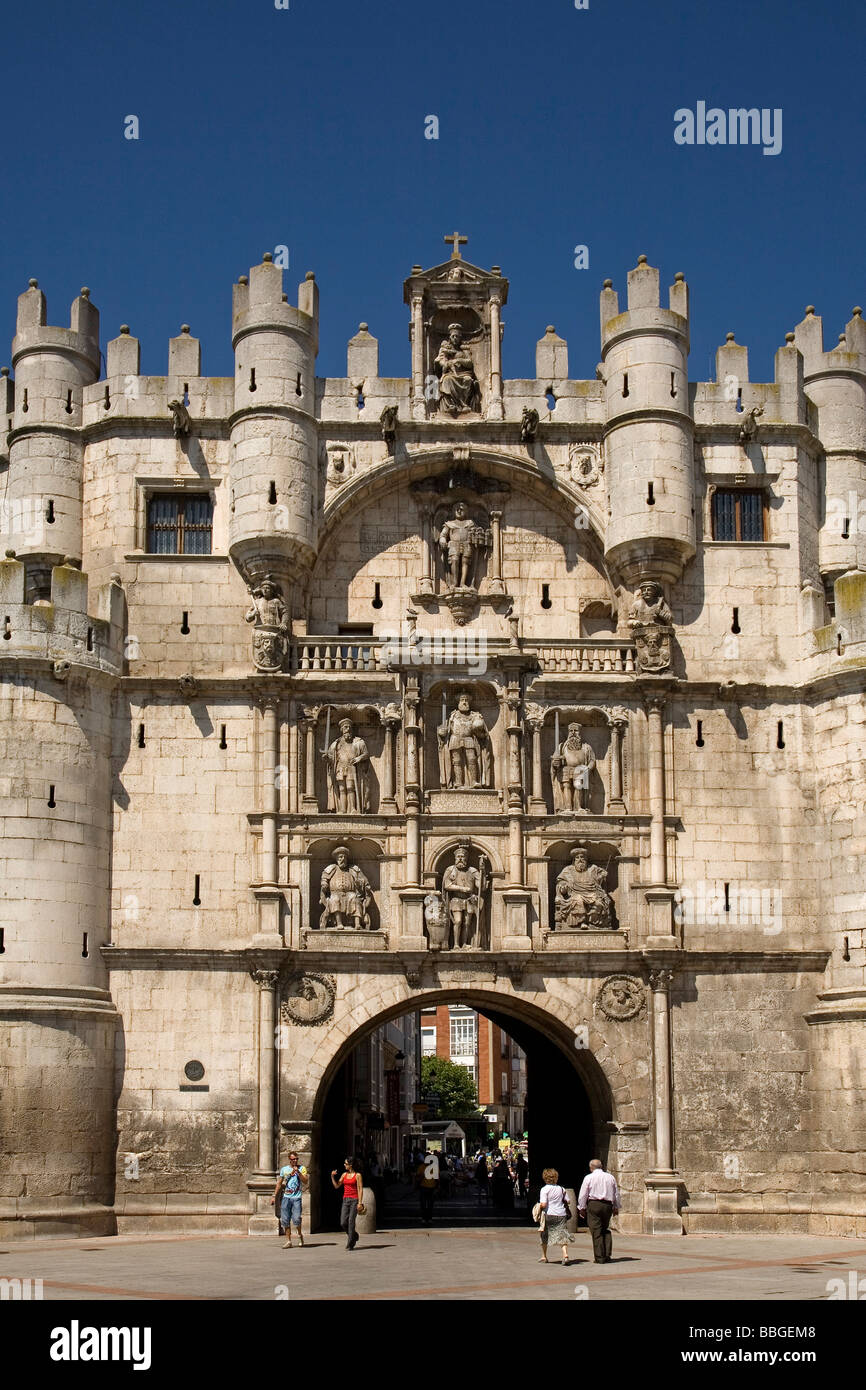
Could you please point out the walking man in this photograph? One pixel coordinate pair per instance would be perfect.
(597, 1204)
(427, 1183)
(291, 1182)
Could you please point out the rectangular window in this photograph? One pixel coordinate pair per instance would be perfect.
(739, 515)
(462, 1036)
(179, 523)
(504, 1084)
(428, 1042)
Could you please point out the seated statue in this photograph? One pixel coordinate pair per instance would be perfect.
(346, 894)
(580, 902)
(458, 385)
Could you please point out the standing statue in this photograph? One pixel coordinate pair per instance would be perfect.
(348, 767)
(271, 618)
(463, 890)
(460, 541)
(650, 620)
(580, 902)
(458, 385)
(570, 768)
(346, 894)
(464, 746)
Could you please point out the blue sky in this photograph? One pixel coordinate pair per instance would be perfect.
(305, 127)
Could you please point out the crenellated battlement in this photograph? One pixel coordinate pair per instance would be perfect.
(61, 630)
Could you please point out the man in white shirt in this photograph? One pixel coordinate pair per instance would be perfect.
(598, 1203)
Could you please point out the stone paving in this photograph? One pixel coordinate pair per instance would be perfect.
(440, 1263)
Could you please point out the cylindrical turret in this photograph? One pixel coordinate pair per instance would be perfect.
(42, 518)
(649, 448)
(274, 469)
(835, 382)
(57, 674)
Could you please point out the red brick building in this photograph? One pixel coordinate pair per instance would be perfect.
(496, 1063)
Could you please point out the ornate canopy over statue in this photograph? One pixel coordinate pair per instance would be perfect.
(456, 337)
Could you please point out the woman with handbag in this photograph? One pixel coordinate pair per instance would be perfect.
(555, 1213)
(353, 1194)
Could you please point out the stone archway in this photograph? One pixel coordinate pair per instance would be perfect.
(370, 1002)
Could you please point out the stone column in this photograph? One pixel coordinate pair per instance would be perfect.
(268, 895)
(425, 527)
(516, 896)
(419, 408)
(494, 405)
(617, 720)
(664, 1188)
(537, 804)
(261, 1184)
(655, 715)
(308, 726)
(270, 795)
(494, 577)
(390, 723)
(412, 893)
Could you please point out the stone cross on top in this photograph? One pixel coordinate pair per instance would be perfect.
(457, 241)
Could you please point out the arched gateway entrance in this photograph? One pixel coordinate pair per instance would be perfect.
(568, 1105)
(588, 1079)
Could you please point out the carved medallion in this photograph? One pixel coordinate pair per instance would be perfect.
(584, 464)
(309, 999)
(621, 997)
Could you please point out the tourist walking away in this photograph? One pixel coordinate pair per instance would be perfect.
(482, 1177)
(502, 1186)
(553, 1204)
(598, 1203)
(287, 1198)
(427, 1183)
(521, 1176)
(351, 1182)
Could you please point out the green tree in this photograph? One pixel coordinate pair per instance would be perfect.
(458, 1095)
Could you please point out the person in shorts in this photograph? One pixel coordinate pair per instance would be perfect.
(290, 1188)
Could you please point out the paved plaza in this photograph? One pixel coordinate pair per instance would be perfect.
(438, 1264)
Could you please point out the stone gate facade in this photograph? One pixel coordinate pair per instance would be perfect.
(322, 698)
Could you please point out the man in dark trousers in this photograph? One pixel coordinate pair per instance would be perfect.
(598, 1203)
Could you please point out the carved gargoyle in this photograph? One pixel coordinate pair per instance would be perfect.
(180, 418)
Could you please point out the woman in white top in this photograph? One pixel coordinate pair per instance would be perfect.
(554, 1205)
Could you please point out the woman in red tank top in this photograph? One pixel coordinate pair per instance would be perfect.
(353, 1190)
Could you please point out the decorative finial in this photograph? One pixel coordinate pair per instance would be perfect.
(267, 258)
(34, 284)
(124, 329)
(243, 279)
(810, 309)
(496, 270)
(841, 337)
(184, 328)
(85, 292)
(456, 242)
(856, 311)
(729, 337)
(10, 554)
(550, 328)
(416, 269)
(608, 284)
(680, 275)
(641, 260)
(789, 337)
(362, 328)
(4, 371)
(310, 275)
